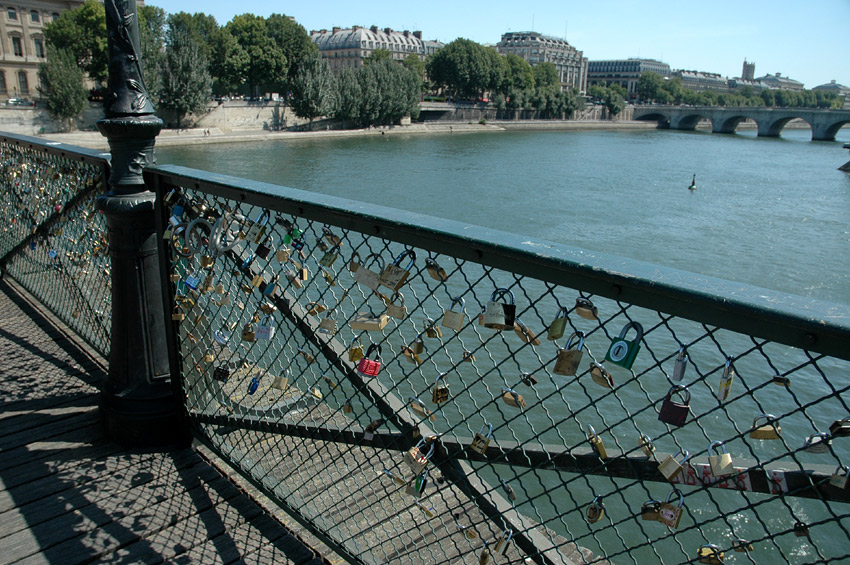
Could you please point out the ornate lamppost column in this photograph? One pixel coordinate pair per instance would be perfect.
(138, 404)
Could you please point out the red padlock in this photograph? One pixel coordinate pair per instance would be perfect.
(672, 412)
(369, 367)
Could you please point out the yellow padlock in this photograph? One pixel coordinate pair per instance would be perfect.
(596, 510)
(669, 467)
(711, 554)
(770, 430)
(721, 463)
(596, 443)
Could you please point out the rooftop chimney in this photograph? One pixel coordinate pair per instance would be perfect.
(388, 30)
(335, 29)
(417, 34)
(374, 29)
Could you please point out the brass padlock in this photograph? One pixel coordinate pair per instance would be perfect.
(437, 273)
(452, 319)
(328, 325)
(394, 310)
(418, 346)
(207, 261)
(568, 359)
(681, 364)
(315, 308)
(558, 326)
(347, 408)
(416, 459)
(368, 321)
(596, 510)
(281, 382)
(742, 546)
(394, 275)
(770, 430)
(421, 410)
(355, 352)
(468, 356)
(586, 309)
(650, 510)
(410, 355)
(710, 553)
(600, 375)
(596, 443)
(527, 379)
(726, 380)
(282, 255)
(645, 444)
(509, 490)
(480, 442)
(511, 398)
(720, 463)
(429, 512)
(176, 315)
(500, 315)
(669, 514)
(248, 333)
(504, 542)
(525, 333)
(329, 257)
(669, 467)
(484, 558)
(432, 330)
(841, 477)
(801, 530)
(209, 357)
(440, 392)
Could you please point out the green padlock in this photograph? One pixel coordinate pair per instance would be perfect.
(622, 351)
(558, 326)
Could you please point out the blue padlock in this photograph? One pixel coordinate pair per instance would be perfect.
(622, 351)
(255, 384)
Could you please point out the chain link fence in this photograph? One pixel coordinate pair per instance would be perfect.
(52, 240)
(418, 390)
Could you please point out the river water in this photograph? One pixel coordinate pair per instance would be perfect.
(768, 212)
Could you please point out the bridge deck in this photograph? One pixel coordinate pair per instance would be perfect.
(68, 495)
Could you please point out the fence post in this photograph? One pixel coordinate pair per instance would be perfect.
(138, 405)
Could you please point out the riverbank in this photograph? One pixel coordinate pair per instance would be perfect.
(171, 137)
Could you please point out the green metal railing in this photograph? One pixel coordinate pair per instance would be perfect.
(278, 291)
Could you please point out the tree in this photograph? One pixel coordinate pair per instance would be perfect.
(61, 84)
(378, 55)
(545, 74)
(349, 96)
(266, 61)
(413, 63)
(767, 97)
(82, 31)
(200, 27)
(293, 41)
(152, 39)
(229, 63)
(649, 86)
(186, 81)
(465, 68)
(313, 88)
(519, 75)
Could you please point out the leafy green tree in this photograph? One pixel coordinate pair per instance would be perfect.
(61, 85)
(413, 63)
(768, 98)
(152, 21)
(349, 96)
(519, 75)
(673, 87)
(293, 41)
(200, 27)
(266, 61)
(82, 31)
(465, 68)
(229, 64)
(545, 75)
(314, 91)
(378, 55)
(186, 81)
(649, 86)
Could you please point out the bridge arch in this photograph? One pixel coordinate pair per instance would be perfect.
(662, 119)
(829, 132)
(773, 127)
(727, 124)
(689, 122)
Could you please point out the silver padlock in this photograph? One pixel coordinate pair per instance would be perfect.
(841, 477)
(817, 443)
(681, 364)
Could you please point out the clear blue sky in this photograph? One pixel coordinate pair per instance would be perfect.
(807, 40)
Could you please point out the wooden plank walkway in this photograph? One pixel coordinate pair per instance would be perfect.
(68, 495)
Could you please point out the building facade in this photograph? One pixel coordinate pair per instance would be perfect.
(535, 48)
(349, 47)
(779, 82)
(839, 89)
(700, 81)
(624, 72)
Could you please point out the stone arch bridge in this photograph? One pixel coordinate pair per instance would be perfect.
(824, 123)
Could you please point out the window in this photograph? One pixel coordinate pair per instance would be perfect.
(13, 15)
(23, 83)
(39, 47)
(34, 16)
(55, 16)
(3, 82)
(17, 47)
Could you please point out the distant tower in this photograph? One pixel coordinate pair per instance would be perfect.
(749, 71)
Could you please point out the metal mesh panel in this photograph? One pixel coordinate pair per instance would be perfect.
(52, 240)
(272, 310)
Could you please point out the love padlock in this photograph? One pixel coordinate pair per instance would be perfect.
(500, 315)
(568, 358)
(670, 467)
(481, 441)
(420, 409)
(363, 275)
(435, 271)
(440, 392)
(416, 487)
(328, 324)
(329, 257)
(742, 546)
(650, 510)
(454, 319)
(370, 367)
(281, 382)
(558, 326)
(669, 514)
(504, 542)
(600, 375)
(596, 510)
(249, 333)
(525, 333)
(726, 381)
(511, 398)
(265, 330)
(416, 459)
(681, 364)
(840, 428)
(432, 330)
(596, 443)
(720, 463)
(585, 308)
(672, 412)
(394, 275)
(841, 477)
(395, 310)
(817, 443)
(265, 247)
(254, 385)
(368, 321)
(710, 553)
(769, 431)
(622, 351)
(646, 445)
(257, 229)
(355, 352)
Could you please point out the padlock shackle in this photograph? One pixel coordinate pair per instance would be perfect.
(591, 431)
(407, 253)
(512, 392)
(682, 452)
(501, 293)
(396, 294)
(580, 335)
(372, 348)
(423, 441)
(714, 445)
(768, 419)
(190, 228)
(681, 497)
(440, 376)
(681, 391)
(489, 430)
(632, 325)
(810, 441)
(458, 300)
(682, 356)
(563, 312)
(263, 218)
